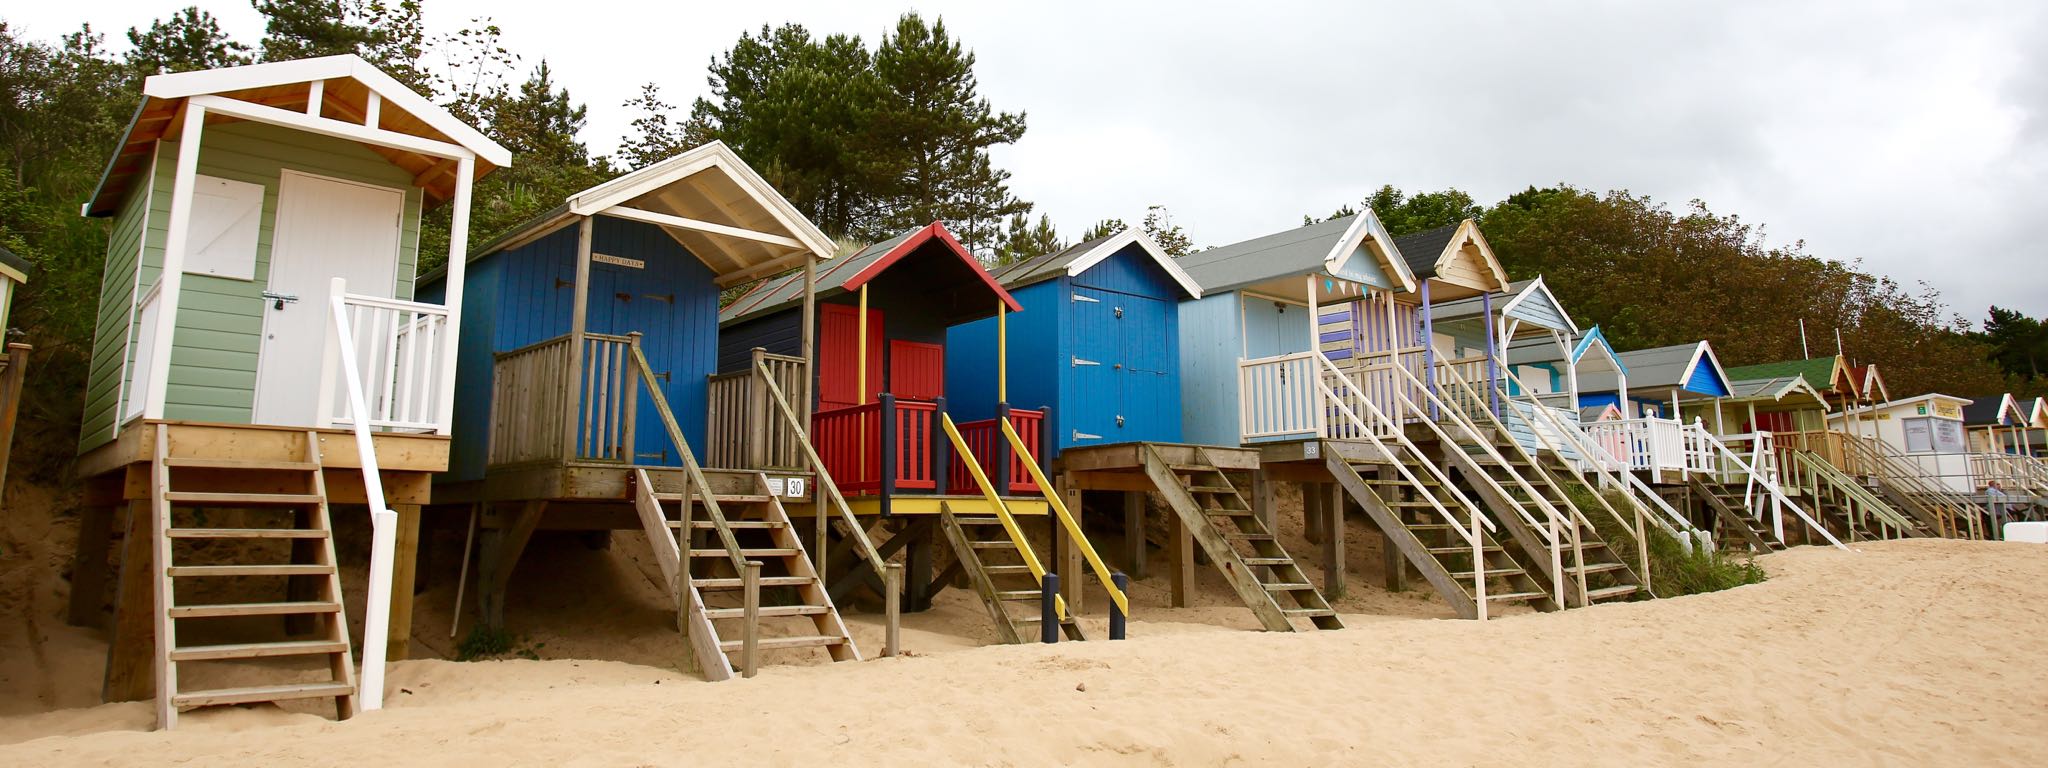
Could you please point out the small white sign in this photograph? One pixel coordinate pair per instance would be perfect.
(622, 261)
(775, 487)
(796, 486)
(1311, 450)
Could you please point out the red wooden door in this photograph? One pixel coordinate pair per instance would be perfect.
(917, 371)
(839, 354)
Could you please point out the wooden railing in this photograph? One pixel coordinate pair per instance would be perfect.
(1010, 470)
(880, 447)
(532, 418)
(741, 431)
(400, 348)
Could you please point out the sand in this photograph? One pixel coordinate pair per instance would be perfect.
(1924, 652)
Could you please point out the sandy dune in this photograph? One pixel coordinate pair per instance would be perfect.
(1906, 653)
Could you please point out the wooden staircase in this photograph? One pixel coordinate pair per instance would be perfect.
(1406, 511)
(293, 493)
(706, 578)
(1006, 573)
(1210, 505)
(1593, 571)
(1732, 512)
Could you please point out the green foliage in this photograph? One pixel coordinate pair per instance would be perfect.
(391, 35)
(1673, 571)
(1159, 225)
(484, 644)
(190, 39)
(1403, 214)
(1104, 228)
(1023, 239)
(2018, 345)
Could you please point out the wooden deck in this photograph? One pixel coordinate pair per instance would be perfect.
(119, 470)
(597, 481)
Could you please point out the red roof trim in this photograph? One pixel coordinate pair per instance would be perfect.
(919, 238)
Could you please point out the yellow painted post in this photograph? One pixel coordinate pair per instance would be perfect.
(860, 376)
(1002, 352)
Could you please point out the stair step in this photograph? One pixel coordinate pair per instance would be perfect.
(1267, 560)
(262, 693)
(978, 520)
(748, 552)
(1221, 512)
(737, 525)
(1244, 536)
(737, 498)
(767, 611)
(1211, 489)
(1005, 570)
(249, 570)
(200, 463)
(1615, 591)
(1019, 594)
(253, 609)
(248, 499)
(1310, 613)
(779, 643)
(1463, 550)
(1288, 586)
(247, 533)
(1490, 573)
(1512, 596)
(1592, 568)
(1002, 544)
(257, 650)
(734, 583)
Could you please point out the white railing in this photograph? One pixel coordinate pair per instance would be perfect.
(1648, 444)
(1762, 495)
(401, 348)
(383, 522)
(1277, 396)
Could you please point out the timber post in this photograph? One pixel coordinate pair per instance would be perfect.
(942, 452)
(1002, 452)
(887, 436)
(1048, 609)
(757, 412)
(1117, 630)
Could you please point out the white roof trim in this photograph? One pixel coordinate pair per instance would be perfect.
(1469, 230)
(1536, 286)
(1706, 351)
(1365, 224)
(2008, 402)
(713, 155)
(1118, 241)
(215, 81)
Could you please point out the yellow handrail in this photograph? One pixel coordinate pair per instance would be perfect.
(995, 501)
(1066, 519)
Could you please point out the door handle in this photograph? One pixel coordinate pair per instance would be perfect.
(278, 300)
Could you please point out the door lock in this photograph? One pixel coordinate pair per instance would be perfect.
(278, 299)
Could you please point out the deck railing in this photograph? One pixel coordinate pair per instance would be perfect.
(1277, 396)
(986, 442)
(880, 447)
(343, 358)
(401, 349)
(1648, 444)
(741, 427)
(532, 418)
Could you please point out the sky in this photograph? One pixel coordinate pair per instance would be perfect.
(1909, 137)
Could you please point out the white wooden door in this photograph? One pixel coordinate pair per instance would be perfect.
(326, 228)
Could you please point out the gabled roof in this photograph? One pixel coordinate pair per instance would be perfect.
(707, 199)
(1426, 252)
(1828, 374)
(1869, 385)
(2003, 410)
(1774, 390)
(1535, 290)
(1320, 247)
(345, 84)
(2038, 415)
(1659, 368)
(849, 273)
(14, 267)
(1080, 257)
(1517, 293)
(1595, 338)
(1599, 412)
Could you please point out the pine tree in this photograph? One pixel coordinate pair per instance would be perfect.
(1159, 226)
(391, 35)
(937, 129)
(190, 39)
(1104, 228)
(1022, 239)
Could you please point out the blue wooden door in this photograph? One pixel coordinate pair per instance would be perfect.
(1090, 406)
(1148, 395)
(626, 300)
(1273, 328)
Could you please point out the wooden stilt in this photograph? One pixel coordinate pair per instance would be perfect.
(1134, 533)
(131, 652)
(1183, 563)
(404, 570)
(501, 551)
(1312, 497)
(917, 559)
(1333, 542)
(1393, 566)
(89, 565)
(1067, 553)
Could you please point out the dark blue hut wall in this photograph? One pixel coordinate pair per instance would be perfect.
(1034, 344)
(525, 295)
(781, 334)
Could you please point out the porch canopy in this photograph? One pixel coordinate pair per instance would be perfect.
(1322, 263)
(926, 265)
(1527, 315)
(1454, 260)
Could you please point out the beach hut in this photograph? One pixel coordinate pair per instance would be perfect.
(1927, 431)
(587, 383)
(14, 363)
(1660, 381)
(258, 296)
(1097, 345)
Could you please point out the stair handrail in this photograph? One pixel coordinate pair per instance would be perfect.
(1777, 496)
(1885, 472)
(383, 522)
(1822, 470)
(1002, 510)
(1916, 477)
(691, 471)
(828, 486)
(1067, 521)
(1633, 488)
(1467, 529)
(1436, 472)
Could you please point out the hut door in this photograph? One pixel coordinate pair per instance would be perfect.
(839, 352)
(325, 228)
(917, 371)
(1094, 367)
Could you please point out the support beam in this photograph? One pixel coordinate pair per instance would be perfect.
(1134, 533)
(699, 225)
(501, 549)
(1182, 555)
(1067, 550)
(579, 324)
(89, 565)
(1312, 512)
(326, 127)
(131, 651)
(404, 570)
(1333, 542)
(458, 260)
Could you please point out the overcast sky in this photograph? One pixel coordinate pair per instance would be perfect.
(1913, 137)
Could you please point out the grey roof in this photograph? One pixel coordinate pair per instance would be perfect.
(1046, 266)
(1297, 251)
(779, 293)
(1422, 249)
(1984, 410)
(1537, 349)
(1657, 367)
(18, 263)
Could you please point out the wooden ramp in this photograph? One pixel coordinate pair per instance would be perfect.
(1005, 572)
(707, 580)
(1409, 505)
(1732, 512)
(1210, 505)
(290, 493)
